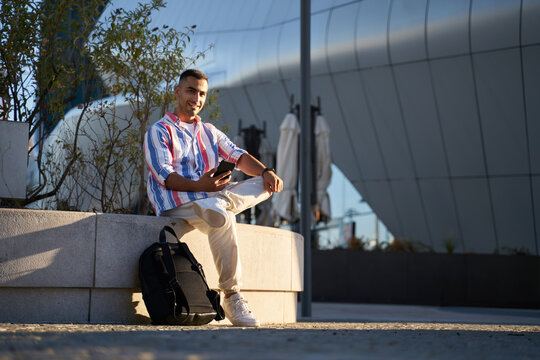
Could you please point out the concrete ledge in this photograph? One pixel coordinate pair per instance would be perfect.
(58, 266)
(46, 248)
(42, 304)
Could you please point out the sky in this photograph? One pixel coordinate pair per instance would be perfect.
(344, 198)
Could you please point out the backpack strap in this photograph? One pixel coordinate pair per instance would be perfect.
(215, 300)
(213, 295)
(162, 238)
(184, 247)
(175, 287)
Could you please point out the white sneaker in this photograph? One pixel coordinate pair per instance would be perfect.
(238, 313)
(211, 210)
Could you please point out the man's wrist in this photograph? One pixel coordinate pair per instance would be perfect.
(268, 169)
(196, 185)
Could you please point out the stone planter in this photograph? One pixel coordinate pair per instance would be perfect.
(61, 266)
(13, 159)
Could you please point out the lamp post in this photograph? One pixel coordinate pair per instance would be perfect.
(305, 141)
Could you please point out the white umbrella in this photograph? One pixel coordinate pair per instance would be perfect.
(286, 202)
(324, 168)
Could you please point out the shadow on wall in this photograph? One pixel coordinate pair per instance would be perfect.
(54, 267)
(426, 278)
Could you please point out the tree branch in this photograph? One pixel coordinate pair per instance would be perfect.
(68, 166)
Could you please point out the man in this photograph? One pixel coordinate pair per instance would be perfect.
(182, 154)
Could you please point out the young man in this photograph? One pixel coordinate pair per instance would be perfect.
(182, 154)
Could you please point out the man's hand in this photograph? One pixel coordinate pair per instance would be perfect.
(208, 183)
(272, 182)
(253, 167)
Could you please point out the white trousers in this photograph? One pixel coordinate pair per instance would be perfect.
(224, 240)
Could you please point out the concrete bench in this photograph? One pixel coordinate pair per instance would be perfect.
(58, 266)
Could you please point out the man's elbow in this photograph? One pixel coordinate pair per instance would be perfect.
(169, 181)
(243, 158)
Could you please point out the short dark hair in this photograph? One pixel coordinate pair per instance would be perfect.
(192, 72)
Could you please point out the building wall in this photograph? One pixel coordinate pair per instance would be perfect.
(433, 104)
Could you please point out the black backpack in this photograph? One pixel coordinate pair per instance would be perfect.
(174, 287)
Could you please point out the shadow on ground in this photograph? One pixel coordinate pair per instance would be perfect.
(298, 341)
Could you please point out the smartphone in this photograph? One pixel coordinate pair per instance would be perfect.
(224, 166)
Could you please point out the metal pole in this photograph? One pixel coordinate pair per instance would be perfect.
(376, 231)
(305, 153)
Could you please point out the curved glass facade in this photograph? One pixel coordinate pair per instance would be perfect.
(433, 104)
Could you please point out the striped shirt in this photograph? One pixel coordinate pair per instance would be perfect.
(169, 147)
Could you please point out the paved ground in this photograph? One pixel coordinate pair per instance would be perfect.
(335, 331)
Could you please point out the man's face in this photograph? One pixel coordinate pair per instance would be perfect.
(191, 95)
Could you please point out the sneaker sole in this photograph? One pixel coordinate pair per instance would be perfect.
(257, 324)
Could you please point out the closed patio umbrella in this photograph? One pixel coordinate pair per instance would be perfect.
(324, 169)
(286, 202)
